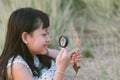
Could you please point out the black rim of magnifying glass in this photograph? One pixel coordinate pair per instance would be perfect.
(65, 39)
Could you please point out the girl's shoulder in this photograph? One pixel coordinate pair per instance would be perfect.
(17, 59)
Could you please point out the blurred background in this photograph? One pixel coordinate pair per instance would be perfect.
(91, 25)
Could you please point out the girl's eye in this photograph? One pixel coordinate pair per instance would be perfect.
(44, 34)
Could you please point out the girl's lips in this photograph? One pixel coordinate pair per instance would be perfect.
(46, 45)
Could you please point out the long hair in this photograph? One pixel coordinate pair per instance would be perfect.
(22, 20)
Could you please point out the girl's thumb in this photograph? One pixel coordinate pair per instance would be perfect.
(61, 51)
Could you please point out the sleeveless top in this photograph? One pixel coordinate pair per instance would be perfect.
(46, 74)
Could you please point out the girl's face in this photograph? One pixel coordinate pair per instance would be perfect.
(38, 41)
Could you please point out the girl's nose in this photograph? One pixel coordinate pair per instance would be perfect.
(48, 39)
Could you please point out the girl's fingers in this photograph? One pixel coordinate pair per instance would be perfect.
(65, 53)
(72, 52)
(61, 52)
(72, 61)
(76, 55)
(76, 59)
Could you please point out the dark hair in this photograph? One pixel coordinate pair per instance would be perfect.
(23, 20)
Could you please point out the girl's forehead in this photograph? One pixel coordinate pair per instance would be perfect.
(41, 26)
(43, 30)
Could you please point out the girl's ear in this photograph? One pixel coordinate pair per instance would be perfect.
(25, 37)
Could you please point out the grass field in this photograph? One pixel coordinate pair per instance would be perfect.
(95, 22)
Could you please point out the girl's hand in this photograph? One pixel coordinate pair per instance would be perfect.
(76, 56)
(62, 60)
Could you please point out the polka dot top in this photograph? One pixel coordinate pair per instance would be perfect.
(46, 74)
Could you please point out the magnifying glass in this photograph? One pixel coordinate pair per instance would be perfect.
(63, 41)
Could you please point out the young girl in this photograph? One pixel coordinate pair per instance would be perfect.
(26, 55)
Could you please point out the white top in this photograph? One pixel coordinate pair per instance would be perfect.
(47, 74)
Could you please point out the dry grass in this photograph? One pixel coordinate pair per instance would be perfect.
(99, 68)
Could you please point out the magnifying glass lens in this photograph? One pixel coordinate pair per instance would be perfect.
(63, 41)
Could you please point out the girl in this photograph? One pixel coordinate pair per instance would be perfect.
(26, 55)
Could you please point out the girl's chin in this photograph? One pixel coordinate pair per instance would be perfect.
(44, 52)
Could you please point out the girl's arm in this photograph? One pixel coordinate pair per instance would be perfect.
(18, 72)
(53, 53)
